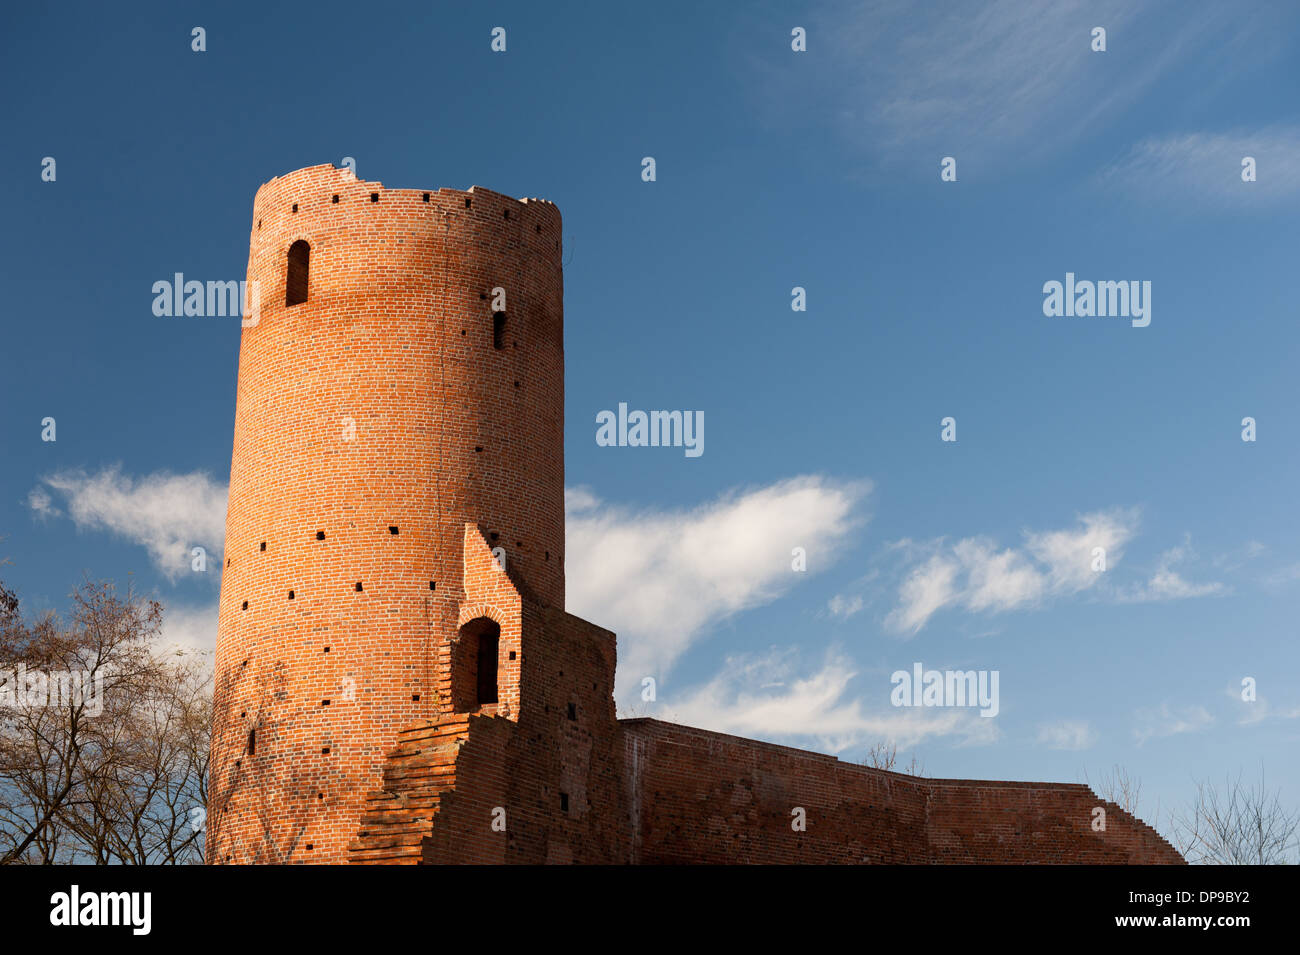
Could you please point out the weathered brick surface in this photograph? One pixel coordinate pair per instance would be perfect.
(392, 413)
(546, 767)
(703, 797)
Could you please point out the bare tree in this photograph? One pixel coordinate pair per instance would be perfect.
(108, 763)
(1236, 825)
(884, 756)
(1117, 786)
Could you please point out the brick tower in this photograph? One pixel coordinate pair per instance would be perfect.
(398, 437)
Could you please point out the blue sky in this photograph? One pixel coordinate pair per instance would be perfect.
(774, 169)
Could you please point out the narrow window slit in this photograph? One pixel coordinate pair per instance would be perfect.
(296, 277)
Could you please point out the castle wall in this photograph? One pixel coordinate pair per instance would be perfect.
(701, 797)
(382, 401)
(556, 772)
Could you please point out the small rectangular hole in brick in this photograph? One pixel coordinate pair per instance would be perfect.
(358, 586)
(335, 199)
(564, 802)
(252, 742)
(512, 654)
(392, 528)
(325, 751)
(433, 585)
(425, 197)
(467, 204)
(320, 535)
(263, 547)
(415, 697)
(291, 595)
(295, 207)
(573, 711)
(374, 197)
(324, 702)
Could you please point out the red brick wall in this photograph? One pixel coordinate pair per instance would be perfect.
(701, 797)
(523, 766)
(397, 335)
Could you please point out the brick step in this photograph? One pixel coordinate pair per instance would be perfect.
(393, 827)
(402, 774)
(388, 855)
(388, 840)
(427, 756)
(396, 819)
(426, 796)
(434, 731)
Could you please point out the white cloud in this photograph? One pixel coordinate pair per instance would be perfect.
(1167, 584)
(658, 578)
(1067, 734)
(189, 630)
(1207, 166)
(42, 504)
(997, 580)
(978, 575)
(926, 590)
(816, 708)
(1165, 721)
(1257, 710)
(1068, 554)
(165, 513)
(842, 605)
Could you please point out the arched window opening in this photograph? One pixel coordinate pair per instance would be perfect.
(499, 330)
(295, 282)
(474, 665)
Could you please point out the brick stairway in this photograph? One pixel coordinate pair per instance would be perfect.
(1140, 828)
(396, 819)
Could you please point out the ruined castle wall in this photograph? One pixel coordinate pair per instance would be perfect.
(556, 772)
(702, 797)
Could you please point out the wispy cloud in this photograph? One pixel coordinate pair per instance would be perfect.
(842, 605)
(659, 577)
(1067, 734)
(1166, 583)
(1208, 166)
(1167, 721)
(165, 513)
(977, 574)
(991, 80)
(765, 697)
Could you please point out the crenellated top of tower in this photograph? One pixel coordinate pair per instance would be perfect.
(327, 191)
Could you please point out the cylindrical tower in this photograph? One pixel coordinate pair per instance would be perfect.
(401, 374)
